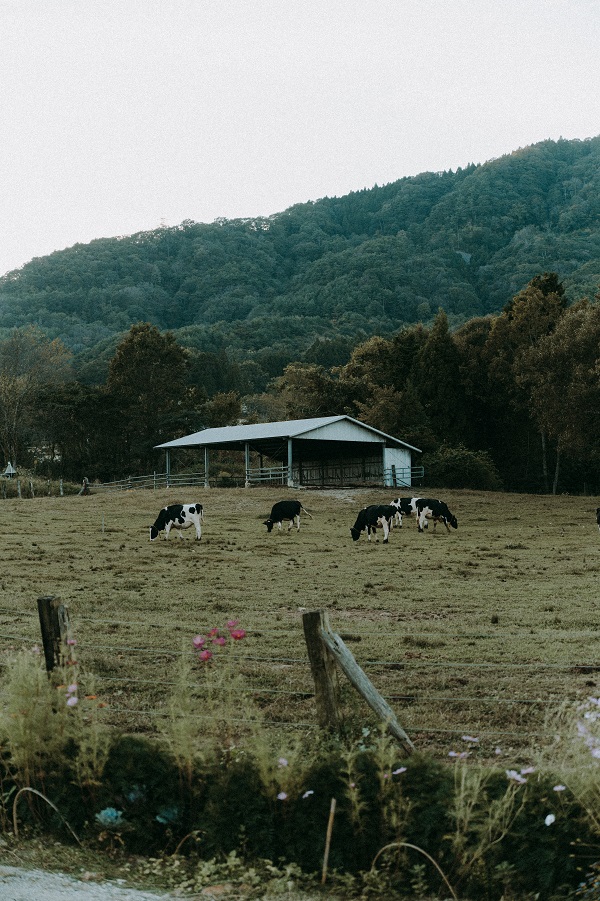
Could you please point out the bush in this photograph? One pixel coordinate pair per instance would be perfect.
(459, 467)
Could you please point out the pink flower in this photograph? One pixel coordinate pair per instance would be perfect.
(199, 641)
(213, 632)
(238, 634)
(205, 655)
(219, 640)
(71, 642)
(232, 623)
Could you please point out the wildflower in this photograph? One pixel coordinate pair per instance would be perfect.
(282, 796)
(498, 751)
(167, 815)
(72, 688)
(460, 756)
(527, 770)
(238, 634)
(516, 777)
(219, 640)
(199, 641)
(205, 655)
(72, 701)
(213, 632)
(71, 642)
(110, 817)
(550, 819)
(282, 761)
(35, 649)
(232, 623)
(559, 788)
(471, 739)
(401, 769)
(308, 793)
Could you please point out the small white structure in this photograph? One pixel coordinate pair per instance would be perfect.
(322, 452)
(10, 471)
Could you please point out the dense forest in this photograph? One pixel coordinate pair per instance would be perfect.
(311, 282)
(457, 311)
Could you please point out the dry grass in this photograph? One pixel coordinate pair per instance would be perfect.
(479, 631)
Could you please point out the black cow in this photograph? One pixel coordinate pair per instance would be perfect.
(598, 516)
(371, 518)
(405, 506)
(284, 510)
(429, 508)
(178, 516)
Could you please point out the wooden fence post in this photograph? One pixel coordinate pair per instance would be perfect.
(364, 686)
(54, 623)
(322, 666)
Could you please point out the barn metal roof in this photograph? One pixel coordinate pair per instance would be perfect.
(316, 428)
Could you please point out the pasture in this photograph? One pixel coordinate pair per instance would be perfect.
(482, 631)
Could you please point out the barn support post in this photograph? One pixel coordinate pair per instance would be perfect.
(206, 463)
(168, 466)
(290, 463)
(247, 465)
(54, 623)
(322, 667)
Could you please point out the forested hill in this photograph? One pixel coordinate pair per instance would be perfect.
(344, 268)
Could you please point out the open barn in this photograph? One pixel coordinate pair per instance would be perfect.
(321, 452)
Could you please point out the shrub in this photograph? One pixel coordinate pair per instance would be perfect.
(459, 467)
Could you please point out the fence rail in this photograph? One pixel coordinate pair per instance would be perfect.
(155, 481)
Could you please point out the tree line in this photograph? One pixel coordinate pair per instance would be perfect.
(506, 401)
(264, 290)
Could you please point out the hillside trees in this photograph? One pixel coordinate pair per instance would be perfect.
(148, 384)
(29, 363)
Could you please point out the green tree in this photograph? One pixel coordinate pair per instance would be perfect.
(148, 385)
(439, 381)
(29, 362)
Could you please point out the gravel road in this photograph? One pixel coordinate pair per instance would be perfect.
(17, 884)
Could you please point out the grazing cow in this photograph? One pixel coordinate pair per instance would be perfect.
(406, 506)
(284, 510)
(437, 511)
(598, 516)
(371, 518)
(178, 516)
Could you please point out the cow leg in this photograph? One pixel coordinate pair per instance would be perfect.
(198, 531)
(167, 530)
(279, 525)
(298, 522)
(386, 530)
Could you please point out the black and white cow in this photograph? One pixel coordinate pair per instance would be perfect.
(598, 516)
(178, 516)
(429, 508)
(371, 518)
(283, 511)
(405, 506)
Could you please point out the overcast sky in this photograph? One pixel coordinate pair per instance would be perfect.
(121, 115)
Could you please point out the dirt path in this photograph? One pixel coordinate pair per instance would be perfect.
(18, 884)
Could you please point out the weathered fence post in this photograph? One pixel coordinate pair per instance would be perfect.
(61, 489)
(54, 623)
(322, 666)
(18, 487)
(325, 648)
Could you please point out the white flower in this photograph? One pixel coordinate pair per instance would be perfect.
(527, 770)
(516, 777)
(559, 788)
(470, 738)
(282, 761)
(550, 819)
(308, 793)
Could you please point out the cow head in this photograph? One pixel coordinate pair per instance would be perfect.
(269, 524)
(355, 533)
(453, 521)
(154, 533)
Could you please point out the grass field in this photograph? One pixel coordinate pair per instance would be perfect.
(481, 631)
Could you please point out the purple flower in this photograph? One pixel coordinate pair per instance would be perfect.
(199, 641)
(515, 777)
(282, 796)
(72, 701)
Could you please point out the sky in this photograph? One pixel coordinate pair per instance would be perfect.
(121, 116)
